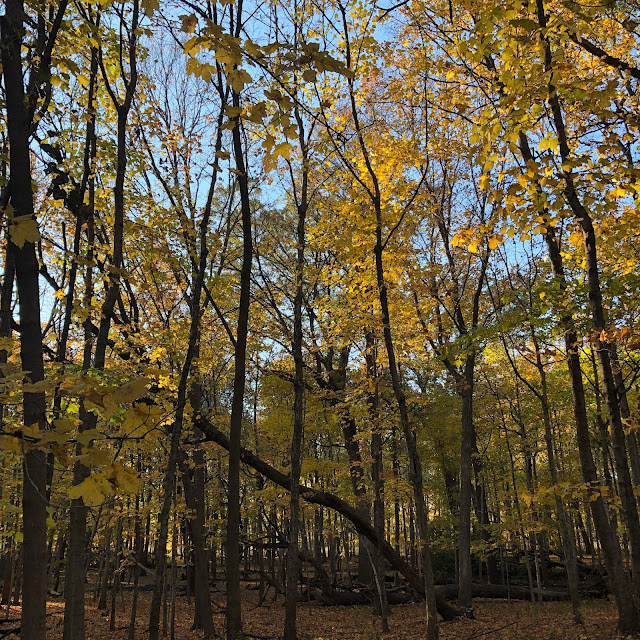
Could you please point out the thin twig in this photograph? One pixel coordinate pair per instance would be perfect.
(484, 633)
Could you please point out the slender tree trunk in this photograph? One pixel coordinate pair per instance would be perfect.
(234, 611)
(622, 591)
(291, 598)
(516, 501)
(466, 452)
(415, 465)
(628, 621)
(138, 544)
(104, 585)
(174, 580)
(74, 622)
(566, 531)
(625, 413)
(117, 574)
(203, 618)
(377, 559)
(16, 582)
(176, 430)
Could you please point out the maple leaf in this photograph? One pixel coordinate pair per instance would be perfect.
(24, 229)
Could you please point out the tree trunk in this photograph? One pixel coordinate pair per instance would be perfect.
(138, 544)
(117, 574)
(34, 587)
(466, 453)
(377, 559)
(566, 531)
(291, 596)
(203, 618)
(621, 589)
(234, 611)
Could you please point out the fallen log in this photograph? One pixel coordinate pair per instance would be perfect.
(331, 501)
(340, 598)
(321, 573)
(513, 592)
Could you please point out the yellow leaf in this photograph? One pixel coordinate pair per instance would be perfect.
(9, 443)
(232, 112)
(238, 78)
(130, 391)
(283, 149)
(189, 23)
(140, 420)
(93, 491)
(149, 6)
(125, 479)
(41, 386)
(24, 229)
(618, 192)
(65, 425)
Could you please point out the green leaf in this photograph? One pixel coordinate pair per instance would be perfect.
(525, 23)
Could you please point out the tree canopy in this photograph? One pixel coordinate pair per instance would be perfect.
(347, 286)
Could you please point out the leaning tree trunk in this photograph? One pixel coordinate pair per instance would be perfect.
(331, 501)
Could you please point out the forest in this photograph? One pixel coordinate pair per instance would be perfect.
(320, 319)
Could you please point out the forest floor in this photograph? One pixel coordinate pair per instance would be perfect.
(494, 619)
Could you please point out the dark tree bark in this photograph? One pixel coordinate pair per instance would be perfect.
(117, 574)
(33, 620)
(620, 587)
(203, 618)
(292, 570)
(377, 559)
(234, 611)
(137, 551)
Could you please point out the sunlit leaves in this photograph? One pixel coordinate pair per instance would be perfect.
(100, 486)
(23, 229)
